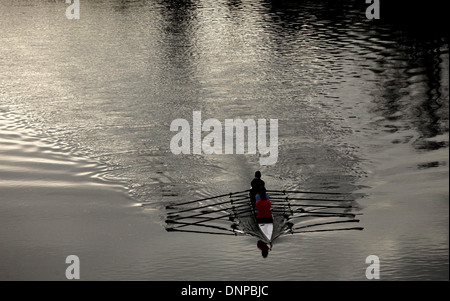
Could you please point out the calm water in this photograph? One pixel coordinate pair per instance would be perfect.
(85, 111)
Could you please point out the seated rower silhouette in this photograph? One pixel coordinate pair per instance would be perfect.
(263, 207)
(256, 185)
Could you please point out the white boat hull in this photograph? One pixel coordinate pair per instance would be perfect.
(267, 230)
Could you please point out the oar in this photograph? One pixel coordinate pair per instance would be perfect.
(207, 219)
(202, 232)
(286, 199)
(326, 223)
(209, 198)
(310, 205)
(322, 214)
(241, 194)
(310, 192)
(192, 224)
(225, 217)
(204, 213)
(231, 216)
(319, 208)
(328, 230)
(199, 225)
(233, 201)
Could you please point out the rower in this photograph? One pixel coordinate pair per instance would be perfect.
(256, 184)
(263, 207)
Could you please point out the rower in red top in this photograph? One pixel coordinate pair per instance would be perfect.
(263, 208)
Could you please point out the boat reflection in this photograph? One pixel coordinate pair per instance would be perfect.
(264, 247)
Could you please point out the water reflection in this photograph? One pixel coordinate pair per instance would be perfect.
(178, 50)
(125, 5)
(111, 84)
(264, 248)
(408, 72)
(411, 92)
(432, 106)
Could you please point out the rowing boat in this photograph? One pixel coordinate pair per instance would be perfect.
(293, 212)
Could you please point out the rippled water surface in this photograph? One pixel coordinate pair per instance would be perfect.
(85, 113)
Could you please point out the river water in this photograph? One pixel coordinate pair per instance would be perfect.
(85, 113)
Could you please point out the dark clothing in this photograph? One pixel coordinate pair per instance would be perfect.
(256, 186)
(264, 220)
